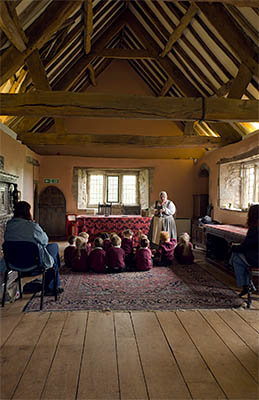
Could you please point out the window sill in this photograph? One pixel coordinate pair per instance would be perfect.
(233, 209)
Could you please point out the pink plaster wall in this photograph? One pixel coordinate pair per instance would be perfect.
(211, 158)
(120, 78)
(15, 163)
(174, 176)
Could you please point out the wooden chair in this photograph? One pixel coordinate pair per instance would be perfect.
(24, 257)
(253, 275)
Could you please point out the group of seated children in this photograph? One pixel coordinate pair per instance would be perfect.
(110, 253)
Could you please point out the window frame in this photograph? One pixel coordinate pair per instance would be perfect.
(240, 167)
(112, 172)
(118, 192)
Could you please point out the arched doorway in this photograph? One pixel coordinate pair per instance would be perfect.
(52, 212)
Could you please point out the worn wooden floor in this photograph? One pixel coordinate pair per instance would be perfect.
(130, 355)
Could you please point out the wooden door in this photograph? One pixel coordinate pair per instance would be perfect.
(52, 213)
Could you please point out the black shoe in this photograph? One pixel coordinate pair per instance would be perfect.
(244, 291)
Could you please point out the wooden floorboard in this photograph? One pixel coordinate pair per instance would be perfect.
(131, 355)
(40, 362)
(199, 379)
(192, 354)
(131, 375)
(232, 376)
(235, 343)
(99, 369)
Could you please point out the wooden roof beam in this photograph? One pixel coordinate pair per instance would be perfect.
(58, 104)
(224, 24)
(237, 3)
(92, 75)
(72, 74)
(10, 24)
(88, 24)
(240, 82)
(192, 141)
(177, 33)
(168, 84)
(40, 81)
(173, 72)
(38, 33)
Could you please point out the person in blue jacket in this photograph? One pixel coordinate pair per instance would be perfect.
(247, 253)
(22, 228)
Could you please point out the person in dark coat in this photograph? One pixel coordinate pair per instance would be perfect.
(97, 257)
(106, 240)
(127, 246)
(183, 250)
(115, 256)
(69, 251)
(143, 257)
(80, 256)
(247, 253)
(22, 228)
(164, 255)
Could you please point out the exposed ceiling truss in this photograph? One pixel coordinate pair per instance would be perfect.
(206, 51)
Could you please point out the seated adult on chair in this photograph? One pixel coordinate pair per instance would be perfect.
(246, 254)
(22, 228)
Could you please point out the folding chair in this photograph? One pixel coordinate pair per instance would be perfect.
(24, 257)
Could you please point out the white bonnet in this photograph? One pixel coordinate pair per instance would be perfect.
(163, 192)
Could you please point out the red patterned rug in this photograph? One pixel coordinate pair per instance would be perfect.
(162, 288)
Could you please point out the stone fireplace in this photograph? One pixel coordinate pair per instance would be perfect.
(8, 197)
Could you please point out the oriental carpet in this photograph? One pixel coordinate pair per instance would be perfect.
(162, 288)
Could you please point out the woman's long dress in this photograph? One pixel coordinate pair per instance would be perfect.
(164, 223)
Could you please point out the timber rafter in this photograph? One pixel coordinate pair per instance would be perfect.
(135, 107)
(192, 141)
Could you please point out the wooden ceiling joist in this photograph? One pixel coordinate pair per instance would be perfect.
(9, 23)
(136, 107)
(168, 84)
(240, 83)
(40, 81)
(37, 71)
(88, 24)
(72, 74)
(237, 3)
(38, 33)
(92, 75)
(172, 70)
(177, 33)
(224, 24)
(192, 141)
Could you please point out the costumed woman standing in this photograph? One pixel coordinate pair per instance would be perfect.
(163, 219)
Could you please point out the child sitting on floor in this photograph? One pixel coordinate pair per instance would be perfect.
(106, 240)
(183, 251)
(97, 257)
(69, 250)
(85, 235)
(115, 256)
(143, 256)
(79, 258)
(127, 246)
(164, 255)
(141, 236)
